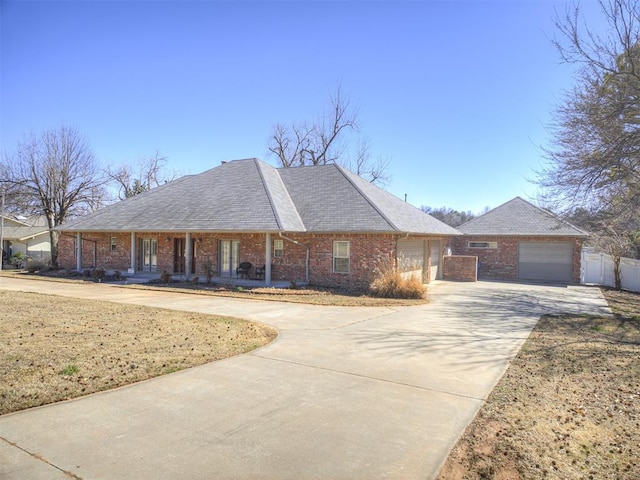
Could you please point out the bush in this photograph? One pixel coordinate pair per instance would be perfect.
(165, 277)
(34, 266)
(99, 274)
(390, 284)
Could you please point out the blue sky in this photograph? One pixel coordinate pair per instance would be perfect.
(456, 94)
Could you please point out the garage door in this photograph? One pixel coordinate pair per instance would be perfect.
(550, 261)
(435, 260)
(411, 257)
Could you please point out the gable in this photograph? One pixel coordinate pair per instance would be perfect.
(518, 217)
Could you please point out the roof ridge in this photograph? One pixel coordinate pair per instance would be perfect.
(276, 214)
(260, 165)
(365, 196)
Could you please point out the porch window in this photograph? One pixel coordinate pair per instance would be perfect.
(278, 248)
(341, 255)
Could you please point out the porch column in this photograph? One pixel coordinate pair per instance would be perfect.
(132, 267)
(188, 253)
(267, 261)
(79, 251)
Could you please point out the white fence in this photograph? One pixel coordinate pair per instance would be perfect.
(597, 268)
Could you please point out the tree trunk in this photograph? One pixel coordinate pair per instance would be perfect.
(616, 272)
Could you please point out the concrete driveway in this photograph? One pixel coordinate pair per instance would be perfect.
(343, 393)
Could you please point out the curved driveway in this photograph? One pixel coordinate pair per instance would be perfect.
(343, 393)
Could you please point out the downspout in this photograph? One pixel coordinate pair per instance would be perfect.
(306, 263)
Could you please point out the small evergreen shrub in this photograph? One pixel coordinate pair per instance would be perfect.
(165, 277)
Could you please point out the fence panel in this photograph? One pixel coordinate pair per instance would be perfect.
(597, 268)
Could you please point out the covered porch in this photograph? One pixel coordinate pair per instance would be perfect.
(219, 258)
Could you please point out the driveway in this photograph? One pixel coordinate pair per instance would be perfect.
(343, 393)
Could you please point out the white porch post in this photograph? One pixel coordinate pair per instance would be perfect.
(267, 261)
(79, 252)
(188, 254)
(132, 267)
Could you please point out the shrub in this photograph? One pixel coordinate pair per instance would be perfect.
(34, 266)
(99, 274)
(117, 275)
(165, 277)
(391, 284)
(195, 280)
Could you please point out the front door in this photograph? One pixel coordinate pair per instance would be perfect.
(149, 255)
(229, 257)
(179, 255)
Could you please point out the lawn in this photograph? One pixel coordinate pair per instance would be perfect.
(55, 348)
(568, 406)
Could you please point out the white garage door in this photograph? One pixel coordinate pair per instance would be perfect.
(550, 261)
(411, 257)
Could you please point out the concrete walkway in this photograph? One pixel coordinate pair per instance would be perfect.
(343, 393)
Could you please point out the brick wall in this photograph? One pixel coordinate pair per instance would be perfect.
(501, 263)
(460, 268)
(367, 253)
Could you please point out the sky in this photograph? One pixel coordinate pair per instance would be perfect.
(458, 96)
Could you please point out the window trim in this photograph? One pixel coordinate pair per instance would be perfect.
(335, 256)
(278, 248)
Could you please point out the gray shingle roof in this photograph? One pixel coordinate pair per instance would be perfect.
(252, 196)
(518, 217)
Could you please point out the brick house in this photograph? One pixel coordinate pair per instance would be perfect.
(520, 241)
(320, 225)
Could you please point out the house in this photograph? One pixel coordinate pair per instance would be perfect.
(520, 241)
(29, 236)
(319, 224)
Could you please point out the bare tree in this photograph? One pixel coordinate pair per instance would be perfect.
(326, 140)
(595, 153)
(54, 174)
(149, 174)
(594, 159)
(451, 217)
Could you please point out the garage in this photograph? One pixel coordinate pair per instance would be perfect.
(548, 261)
(411, 257)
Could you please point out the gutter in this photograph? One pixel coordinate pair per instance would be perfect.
(306, 263)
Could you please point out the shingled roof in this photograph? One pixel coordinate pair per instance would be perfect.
(518, 217)
(252, 196)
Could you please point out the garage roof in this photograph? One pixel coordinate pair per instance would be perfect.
(519, 217)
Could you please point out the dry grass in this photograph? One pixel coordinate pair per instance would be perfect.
(391, 284)
(568, 407)
(55, 348)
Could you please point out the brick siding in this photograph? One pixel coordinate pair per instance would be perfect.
(501, 263)
(368, 254)
(460, 268)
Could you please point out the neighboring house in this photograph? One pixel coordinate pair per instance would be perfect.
(520, 241)
(29, 236)
(319, 224)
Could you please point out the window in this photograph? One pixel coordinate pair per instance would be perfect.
(341, 256)
(113, 244)
(278, 248)
(482, 244)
